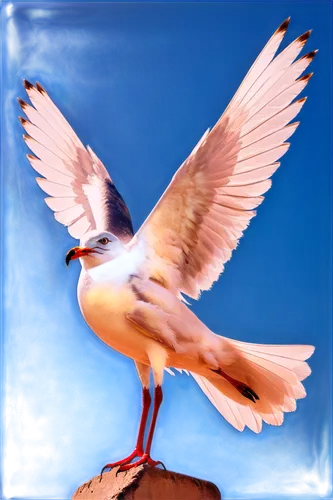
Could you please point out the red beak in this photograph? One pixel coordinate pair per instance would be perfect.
(77, 252)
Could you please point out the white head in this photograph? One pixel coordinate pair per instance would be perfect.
(97, 247)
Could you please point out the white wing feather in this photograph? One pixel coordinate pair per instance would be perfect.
(197, 223)
(82, 194)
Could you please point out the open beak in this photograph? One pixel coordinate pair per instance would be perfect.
(77, 252)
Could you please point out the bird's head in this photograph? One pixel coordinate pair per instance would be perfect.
(96, 248)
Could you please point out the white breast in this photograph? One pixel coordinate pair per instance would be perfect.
(104, 306)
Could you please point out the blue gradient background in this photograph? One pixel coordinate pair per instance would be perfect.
(141, 83)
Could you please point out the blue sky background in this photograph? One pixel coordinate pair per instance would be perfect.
(141, 83)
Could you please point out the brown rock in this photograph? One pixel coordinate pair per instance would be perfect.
(146, 483)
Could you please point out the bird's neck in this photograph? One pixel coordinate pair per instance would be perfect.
(94, 260)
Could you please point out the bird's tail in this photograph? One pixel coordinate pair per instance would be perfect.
(261, 383)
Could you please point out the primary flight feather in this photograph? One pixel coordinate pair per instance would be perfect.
(131, 285)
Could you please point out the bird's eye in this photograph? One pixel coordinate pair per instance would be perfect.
(104, 241)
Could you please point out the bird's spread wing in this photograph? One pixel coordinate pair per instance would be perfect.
(210, 201)
(82, 194)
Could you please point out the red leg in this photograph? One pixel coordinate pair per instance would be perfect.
(138, 450)
(145, 458)
(146, 401)
(158, 397)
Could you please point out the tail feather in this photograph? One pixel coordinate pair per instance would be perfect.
(295, 391)
(300, 368)
(250, 418)
(221, 402)
(274, 418)
(274, 372)
(299, 352)
(285, 373)
(299, 391)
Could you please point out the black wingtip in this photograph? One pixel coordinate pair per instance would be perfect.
(293, 124)
(22, 103)
(302, 100)
(27, 85)
(305, 78)
(304, 38)
(40, 88)
(22, 120)
(310, 55)
(284, 26)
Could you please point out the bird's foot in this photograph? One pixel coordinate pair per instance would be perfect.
(145, 459)
(246, 391)
(135, 453)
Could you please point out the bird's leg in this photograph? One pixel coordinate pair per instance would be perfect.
(146, 400)
(146, 459)
(242, 388)
(138, 450)
(158, 397)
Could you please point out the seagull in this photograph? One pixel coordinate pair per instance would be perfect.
(132, 285)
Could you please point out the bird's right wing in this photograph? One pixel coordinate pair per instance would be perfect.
(82, 194)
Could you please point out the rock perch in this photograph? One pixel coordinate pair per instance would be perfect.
(146, 483)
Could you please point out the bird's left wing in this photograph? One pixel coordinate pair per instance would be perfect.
(82, 194)
(198, 221)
